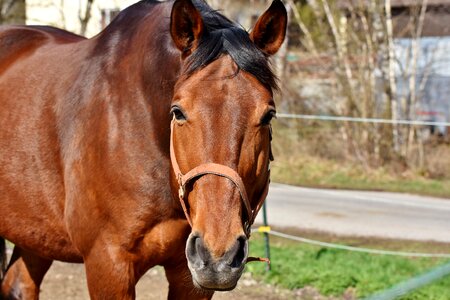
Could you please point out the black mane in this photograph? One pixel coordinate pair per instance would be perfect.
(222, 36)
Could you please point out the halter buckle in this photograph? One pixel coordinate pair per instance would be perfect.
(247, 228)
(181, 192)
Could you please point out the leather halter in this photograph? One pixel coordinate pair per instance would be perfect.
(217, 170)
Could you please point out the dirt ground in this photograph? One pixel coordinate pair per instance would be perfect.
(68, 282)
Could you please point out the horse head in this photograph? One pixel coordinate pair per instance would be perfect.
(220, 137)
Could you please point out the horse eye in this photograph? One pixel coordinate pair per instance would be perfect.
(178, 113)
(265, 120)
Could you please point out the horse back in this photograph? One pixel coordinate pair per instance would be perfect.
(19, 41)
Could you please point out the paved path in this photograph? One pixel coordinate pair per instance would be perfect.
(360, 213)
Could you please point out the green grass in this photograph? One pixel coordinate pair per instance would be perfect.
(334, 272)
(314, 172)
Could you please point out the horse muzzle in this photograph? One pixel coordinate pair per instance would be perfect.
(220, 274)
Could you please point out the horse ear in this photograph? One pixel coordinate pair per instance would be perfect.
(186, 26)
(270, 29)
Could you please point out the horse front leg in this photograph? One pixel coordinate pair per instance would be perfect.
(24, 275)
(110, 274)
(181, 285)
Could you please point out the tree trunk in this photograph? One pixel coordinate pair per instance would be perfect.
(392, 90)
(84, 18)
(309, 45)
(415, 53)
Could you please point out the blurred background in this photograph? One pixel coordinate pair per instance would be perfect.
(371, 59)
(364, 104)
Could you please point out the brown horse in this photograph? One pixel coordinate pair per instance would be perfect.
(91, 171)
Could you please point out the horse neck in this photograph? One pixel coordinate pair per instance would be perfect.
(117, 95)
(141, 44)
(137, 51)
(121, 101)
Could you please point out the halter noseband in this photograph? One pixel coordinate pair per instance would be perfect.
(217, 170)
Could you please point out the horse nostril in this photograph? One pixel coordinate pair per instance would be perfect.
(202, 252)
(238, 253)
(196, 251)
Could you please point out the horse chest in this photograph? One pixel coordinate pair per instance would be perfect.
(164, 243)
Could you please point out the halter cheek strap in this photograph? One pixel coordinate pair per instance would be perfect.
(217, 170)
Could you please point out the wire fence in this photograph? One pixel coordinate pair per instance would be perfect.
(402, 288)
(267, 229)
(412, 284)
(392, 293)
(361, 120)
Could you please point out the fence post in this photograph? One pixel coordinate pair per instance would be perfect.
(266, 236)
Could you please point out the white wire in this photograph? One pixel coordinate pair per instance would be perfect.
(355, 249)
(412, 284)
(361, 120)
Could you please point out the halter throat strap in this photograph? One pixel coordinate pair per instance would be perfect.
(216, 170)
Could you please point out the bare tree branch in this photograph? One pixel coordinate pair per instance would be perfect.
(84, 18)
(7, 5)
(391, 74)
(415, 49)
(12, 11)
(62, 13)
(309, 40)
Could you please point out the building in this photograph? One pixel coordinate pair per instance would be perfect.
(68, 14)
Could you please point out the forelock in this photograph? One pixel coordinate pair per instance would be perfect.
(222, 36)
